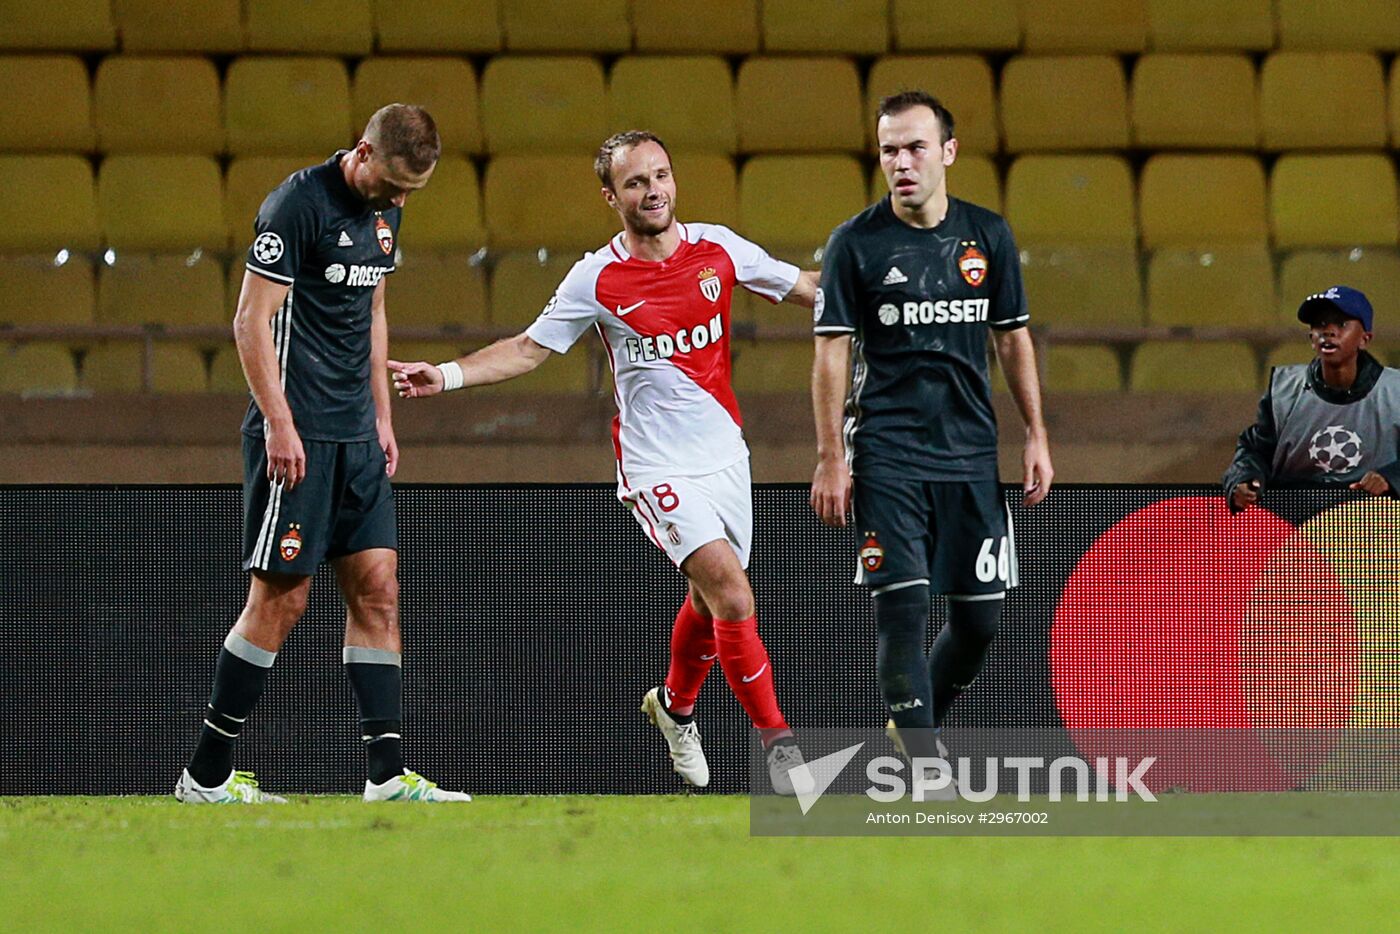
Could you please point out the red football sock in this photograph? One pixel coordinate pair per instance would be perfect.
(750, 676)
(692, 653)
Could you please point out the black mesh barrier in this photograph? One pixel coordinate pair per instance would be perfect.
(535, 617)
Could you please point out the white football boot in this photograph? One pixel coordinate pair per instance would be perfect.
(683, 740)
(238, 788)
(783, 757)
(410, 786)
(947, 793)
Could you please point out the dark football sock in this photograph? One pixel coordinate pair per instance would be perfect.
(377, 678)
(239, 677)
(961, 649)
(901, 619)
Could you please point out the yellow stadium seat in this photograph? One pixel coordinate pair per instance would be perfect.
(434, 26)
(1084, 25)
(282, 106)
(446, 87)
(43, 290)
(515, 187)
(725, 26)
(1228, 286)
(1322, 100)
(1195, 101)
(1196, 25)
(446, 215)
(1333, 200)
(695, 111)
(522, 284)
(1073, 369)
(1059, 102)
(1338, 24)
(779, 205)
(1291, 352)
(1083, 286)
(971, 178)
(707, 188)
(772, 366)
(1071, 199)
(56, 199)
(157, 289)
(566, 25)
(534, 104)
(46, 106)
(335, 27)
(1202, 201)
(963, 83)
(226, 372)
(248, 183)
(1393, 96)
(918, 25)
(1375, 272)
(60, 25)
(432, 290)
(158, 105)
(560, 374)
(118, 367)
(37, 369)
(1195, 367)
(799, 104)
(857, 27)
(180, 25)
(135, 195)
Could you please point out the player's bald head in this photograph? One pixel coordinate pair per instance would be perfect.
(405, 132)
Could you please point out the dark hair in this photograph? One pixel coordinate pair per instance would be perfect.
(626, 140)
(904, 100)
(407, 132)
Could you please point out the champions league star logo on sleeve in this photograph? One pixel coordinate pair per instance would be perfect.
(267, 248)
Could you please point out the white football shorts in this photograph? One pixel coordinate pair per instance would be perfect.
(682, 513)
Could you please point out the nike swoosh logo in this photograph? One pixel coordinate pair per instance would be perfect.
(623, 312)
(747, 678)
(710, 658)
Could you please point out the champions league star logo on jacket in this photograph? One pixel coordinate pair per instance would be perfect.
(1335, 449)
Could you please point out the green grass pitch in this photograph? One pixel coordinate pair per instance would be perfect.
(655, 864)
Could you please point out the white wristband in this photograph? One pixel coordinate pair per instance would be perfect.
(451, 375)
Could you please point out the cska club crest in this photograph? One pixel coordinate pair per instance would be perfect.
(710, 285)
(290, 545)
(385, 234)
(973, 266)
(871, 554)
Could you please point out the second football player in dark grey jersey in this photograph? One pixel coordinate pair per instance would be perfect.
(911, 289)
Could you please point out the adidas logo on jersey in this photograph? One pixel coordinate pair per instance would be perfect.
(345, 240)
(665, 346)
(894, 277)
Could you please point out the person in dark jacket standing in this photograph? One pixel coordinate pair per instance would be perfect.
(1335, 420)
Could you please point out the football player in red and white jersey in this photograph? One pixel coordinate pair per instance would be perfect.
(659, 296)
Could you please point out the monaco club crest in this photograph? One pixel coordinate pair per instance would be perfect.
(973, 266)
(385, 234)
(710, 285)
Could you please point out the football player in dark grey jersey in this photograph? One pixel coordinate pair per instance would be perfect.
(319, 448)
(912, 288)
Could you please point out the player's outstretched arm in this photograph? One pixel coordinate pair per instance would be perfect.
(831, 484)
(804, 291)
(258, 302)
(503, 360)
(1016, 356)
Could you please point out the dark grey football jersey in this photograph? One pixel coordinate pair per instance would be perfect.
(918, 304)
(314, 234)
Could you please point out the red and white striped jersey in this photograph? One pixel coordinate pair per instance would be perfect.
(666, 327)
